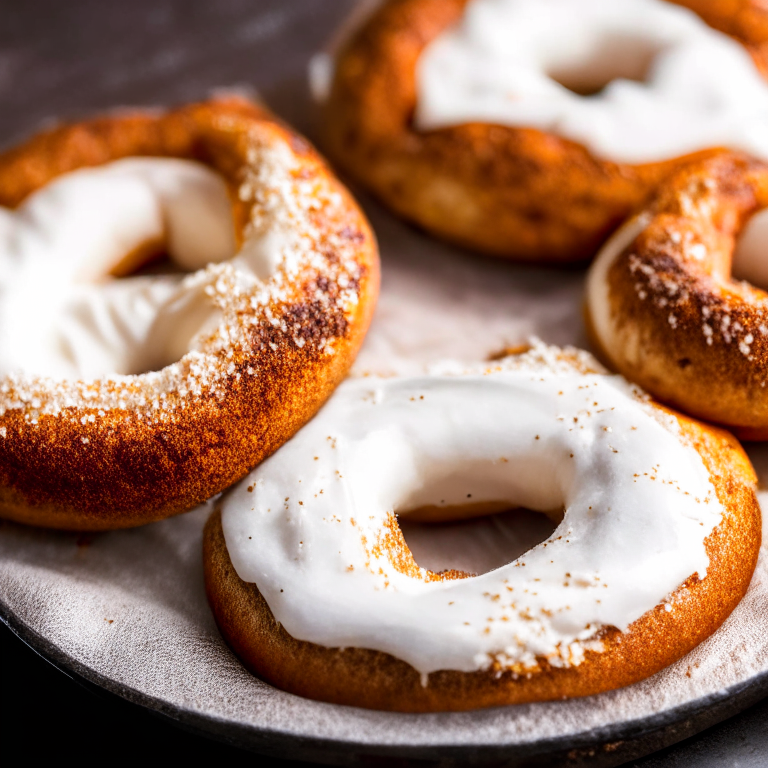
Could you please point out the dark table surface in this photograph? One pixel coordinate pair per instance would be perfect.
(67, 59)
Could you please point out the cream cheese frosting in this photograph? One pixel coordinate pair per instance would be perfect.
(673, 85)
(312, 525)
(749, 262)
(63, 315)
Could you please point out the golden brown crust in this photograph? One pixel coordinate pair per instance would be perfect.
(376, 680)
(517, 193)
(81, 467)
(679, 325)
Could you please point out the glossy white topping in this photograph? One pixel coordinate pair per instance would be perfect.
(62, 315)
(311, 526)
(749, 262)
(672, 84)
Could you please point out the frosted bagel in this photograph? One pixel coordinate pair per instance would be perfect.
(127, 398)
(314, 587)
(664, 309)
(530, 129)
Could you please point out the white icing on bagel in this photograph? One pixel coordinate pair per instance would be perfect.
(749, 261)
(309, 525)
(62, 315)
(502, 62)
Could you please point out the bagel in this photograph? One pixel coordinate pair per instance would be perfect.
(314, 587)
(663, 308)
(454, 112)
(123, 401)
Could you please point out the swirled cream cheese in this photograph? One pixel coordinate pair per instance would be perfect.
(313, 525)
(673, 85)
(62, 315)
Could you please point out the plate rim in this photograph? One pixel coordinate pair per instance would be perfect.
(607, 745)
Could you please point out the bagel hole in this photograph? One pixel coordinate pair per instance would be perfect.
(476, 543)
(614, 57)
(156, 262)
(169, 338)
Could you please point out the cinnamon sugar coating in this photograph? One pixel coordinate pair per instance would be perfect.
(511, 192)
(125, 450)
(679, 325)
(376, 680)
